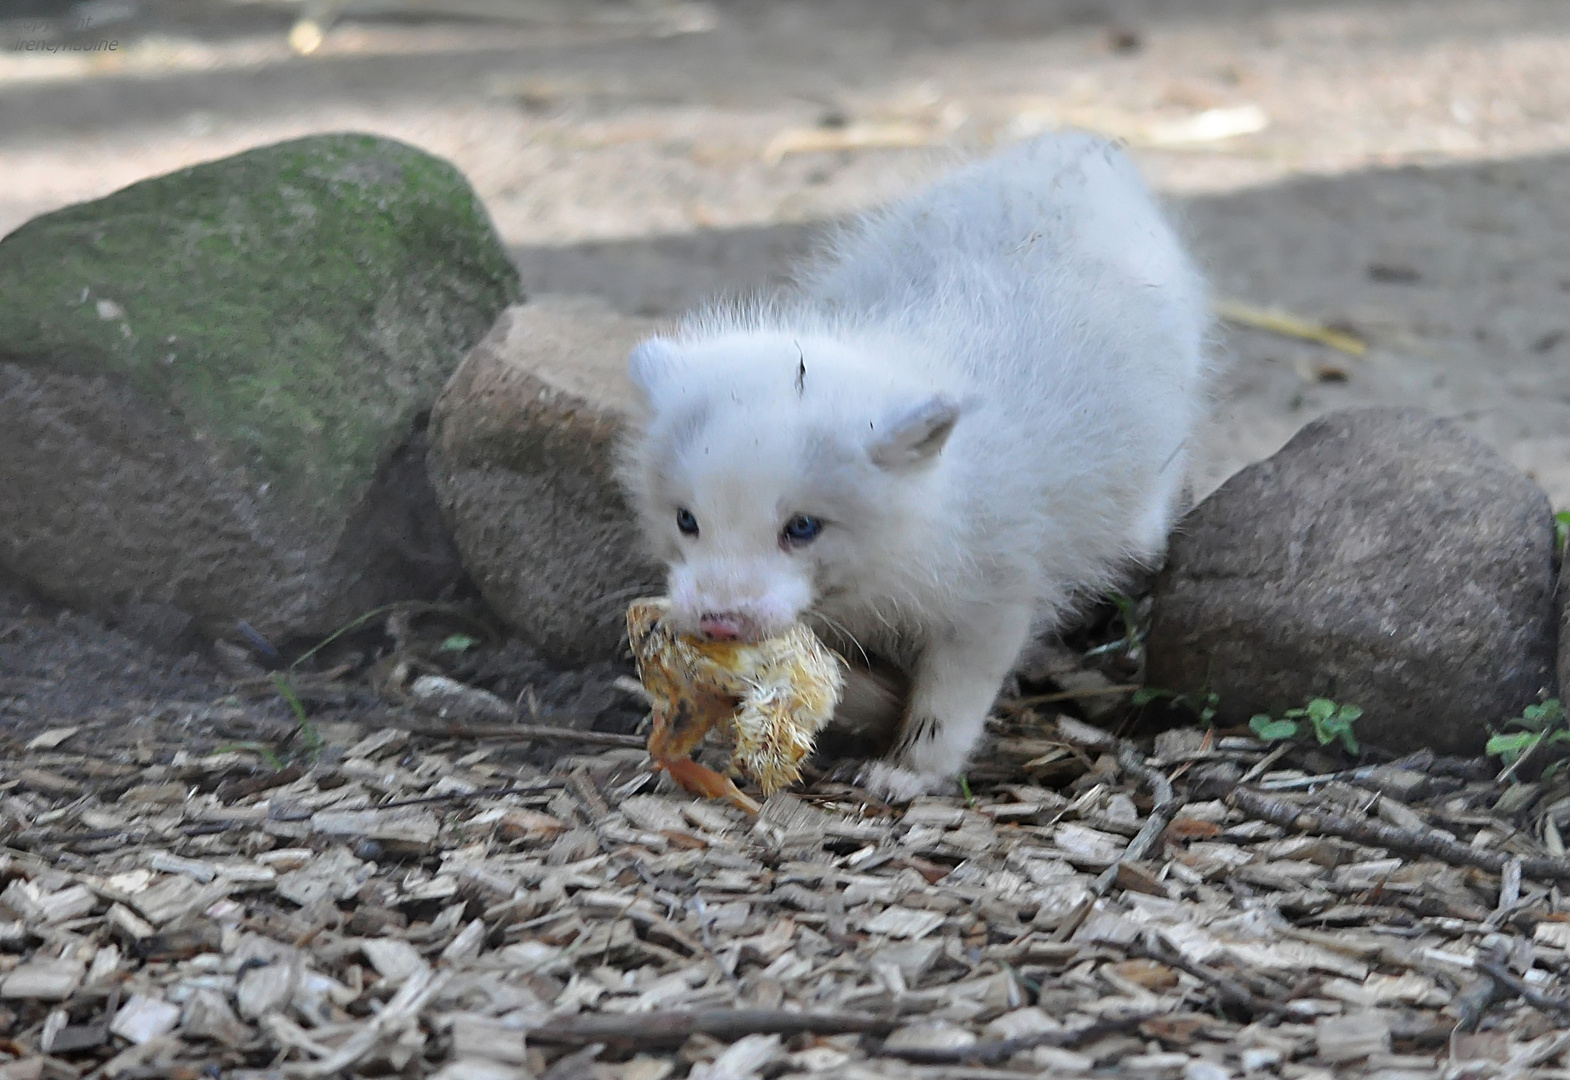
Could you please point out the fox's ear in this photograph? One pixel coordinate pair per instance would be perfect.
(649, 366)
(915, 434)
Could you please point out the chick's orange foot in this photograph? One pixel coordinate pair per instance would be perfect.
(702, 780)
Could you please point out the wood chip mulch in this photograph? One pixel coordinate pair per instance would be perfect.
(429, 906)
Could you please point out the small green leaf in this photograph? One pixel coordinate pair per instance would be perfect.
(1336, 729)
(1321, 709)
(1349, 713)
(1509, 747)
(1539, 717)
(1272, 730)
(458, 643)
(1207, 715)
(1146, 694)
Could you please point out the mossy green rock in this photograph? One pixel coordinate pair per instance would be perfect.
(213, 384)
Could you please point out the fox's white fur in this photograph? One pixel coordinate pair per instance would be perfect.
(985, 393)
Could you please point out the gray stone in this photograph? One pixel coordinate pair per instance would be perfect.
(213, 385)
(523, 446)
(1383, 559)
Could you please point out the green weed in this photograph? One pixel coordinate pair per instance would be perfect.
(1205, 708)
(1327, 721)
(1545, 724)
(308, 731)
(458, 643)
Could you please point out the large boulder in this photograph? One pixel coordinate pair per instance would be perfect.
(214, 384)
(523, 445)
(1383, 559)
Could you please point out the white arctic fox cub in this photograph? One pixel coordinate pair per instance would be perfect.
(974, 410)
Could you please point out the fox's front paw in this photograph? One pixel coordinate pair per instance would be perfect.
(897, 784)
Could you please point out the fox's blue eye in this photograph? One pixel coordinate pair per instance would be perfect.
(801, 529)
(686, 522)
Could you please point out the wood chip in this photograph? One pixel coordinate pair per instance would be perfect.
(267, 988)
(207, 1015)
(898, 922)
(48, 740)
(396, 961)
(411, 825)
(144, 1018)
(392, 914)
(1356, 1035)
(43, 980)
(477, 1037)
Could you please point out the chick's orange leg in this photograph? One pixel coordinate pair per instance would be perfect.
(677, 732)
(702, 780)
(673, 739)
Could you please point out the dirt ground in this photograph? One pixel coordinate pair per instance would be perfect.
(1408, 179)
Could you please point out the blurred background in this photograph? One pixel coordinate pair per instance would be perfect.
(1393, 178)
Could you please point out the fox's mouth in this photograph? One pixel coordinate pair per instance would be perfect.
(726, 626)
(734, 626)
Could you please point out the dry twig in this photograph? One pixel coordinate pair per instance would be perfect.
(533, 788)
(1495, 969)
(1375, 834)
(991, 1051)
(1167, 804)
(528, 732)
(1150, 947)
(671, 1028)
